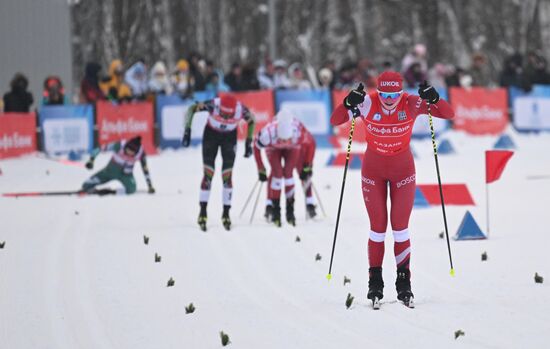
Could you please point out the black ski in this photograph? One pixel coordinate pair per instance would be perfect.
(99, 192)
(43, 193)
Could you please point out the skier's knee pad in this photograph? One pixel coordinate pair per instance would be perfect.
(401, 235)
(276, 183)
(289, 181)
(226, 177)
(377, 237)
(208, 171)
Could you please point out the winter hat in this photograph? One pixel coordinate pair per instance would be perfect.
(134, 144)
(279, 63)
(390, 81)
(182, 65)
(284, 124)
(325, 75)
(228, 105)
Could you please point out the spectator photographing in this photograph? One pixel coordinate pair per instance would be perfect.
(18, 100)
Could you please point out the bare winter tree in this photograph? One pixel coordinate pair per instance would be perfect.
(311, 31)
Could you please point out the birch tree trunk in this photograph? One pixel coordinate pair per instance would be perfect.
(225, 34)
(527, 14)
(544, 21)
(167, 39)
(460, 49)
(111, 46)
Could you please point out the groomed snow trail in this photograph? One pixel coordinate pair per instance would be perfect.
(75, 272)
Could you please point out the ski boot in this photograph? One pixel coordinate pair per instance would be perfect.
(276, 217)
(376, 286)
(268, 213)
(290, 218)
(403, 287)
(310, 208)
(202, 217)
(226, 221)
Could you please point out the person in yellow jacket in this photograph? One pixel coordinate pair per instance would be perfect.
(113, 86)
(182, 80)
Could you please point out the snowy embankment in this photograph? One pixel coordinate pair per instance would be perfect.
(75, 272)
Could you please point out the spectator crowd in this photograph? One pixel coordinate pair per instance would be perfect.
(139, 81)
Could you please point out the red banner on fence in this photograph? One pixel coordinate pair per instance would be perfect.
(124, 121)
(342, 131)
(17, 134)
(480, 110)
(260, 103)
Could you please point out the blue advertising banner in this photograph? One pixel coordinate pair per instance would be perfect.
(170, 113)
(67, 128)
(531, 108)
(311, 107)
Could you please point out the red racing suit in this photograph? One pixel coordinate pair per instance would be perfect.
(307, 153)
(388, 162)
(277, 152)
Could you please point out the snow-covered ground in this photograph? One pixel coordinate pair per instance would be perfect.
(75, 273)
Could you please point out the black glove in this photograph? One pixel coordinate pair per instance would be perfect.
(90, 164)
(354, 98)
(428, 93)
(248, 148)
(262, 176)
(307, 172)
(151, 190)
(186, 138)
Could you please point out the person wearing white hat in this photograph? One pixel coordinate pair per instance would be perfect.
(281, 140)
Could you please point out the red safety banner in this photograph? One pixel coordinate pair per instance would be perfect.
(117, 122)
(342, 131)
(480, 110)
(17, 134)
(260, 103)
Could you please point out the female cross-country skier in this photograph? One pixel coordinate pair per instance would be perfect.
(121, 167)
(389, 115)
(281, 140)
(224, 115)
(304, 167)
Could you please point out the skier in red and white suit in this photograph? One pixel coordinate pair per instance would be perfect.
(389, 115)
(305, 169)
(281, 139)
